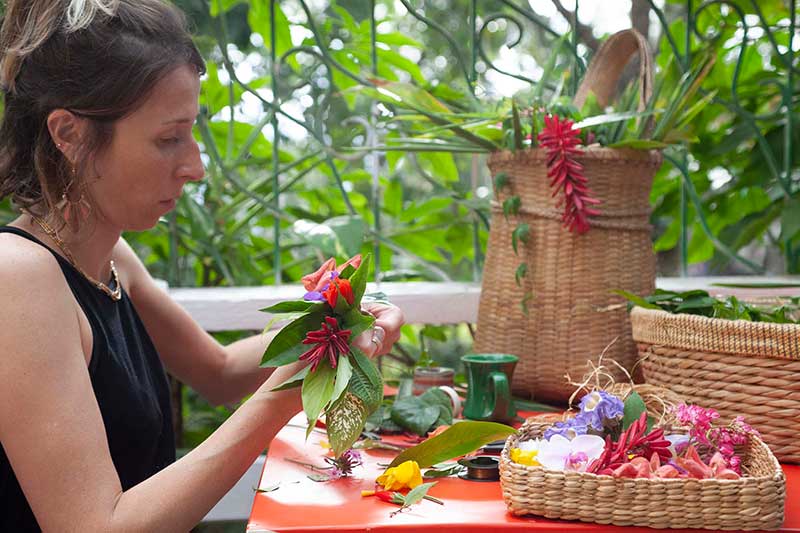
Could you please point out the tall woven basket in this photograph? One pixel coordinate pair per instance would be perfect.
(735, 366)
(573, 314)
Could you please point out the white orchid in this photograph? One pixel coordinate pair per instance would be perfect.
(574, 455)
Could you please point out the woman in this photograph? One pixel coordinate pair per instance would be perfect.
(100, 98)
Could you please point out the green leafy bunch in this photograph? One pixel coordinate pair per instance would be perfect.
(699, 302)
(417, 414)
(346, 389)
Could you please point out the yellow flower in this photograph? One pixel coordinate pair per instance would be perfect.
(525, 457)
(403, 476)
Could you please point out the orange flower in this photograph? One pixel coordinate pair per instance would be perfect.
(319, 279)
(336, 287)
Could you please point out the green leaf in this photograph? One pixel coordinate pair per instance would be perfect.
(639, 144)
(317, 392)
(287, 345)
(414, 415)
(356, 321)
(459, 439)
(521, 233)
(366, 382)
(444, 470)
(790, 219)
(294, 381)
(638, 300)
(220, 6)
(358, 281)
(608, 118)
(501, 181)
(417, 493)
(343, 372)
(349, 231)
(634, 407)
(521, 272)
(511, 206)
(440, 165)
(294, 306)
(345, 420)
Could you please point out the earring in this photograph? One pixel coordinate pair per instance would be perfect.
(69, 207)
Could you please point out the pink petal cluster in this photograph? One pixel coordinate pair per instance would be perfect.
(560, 140)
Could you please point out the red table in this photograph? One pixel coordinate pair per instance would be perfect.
(300, 504)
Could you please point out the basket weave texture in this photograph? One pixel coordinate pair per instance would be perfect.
(572, 316)
(755, 501)
(735, 366)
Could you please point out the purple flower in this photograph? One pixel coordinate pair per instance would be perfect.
(605, 405)
(569, 429)
(343, 466)
(313, 296)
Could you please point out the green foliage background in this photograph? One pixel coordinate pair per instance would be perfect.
(281, 193)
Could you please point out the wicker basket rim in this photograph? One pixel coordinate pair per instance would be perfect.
(718, 325)
(777, 471)
(654, 157)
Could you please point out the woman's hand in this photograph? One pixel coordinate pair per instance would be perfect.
(386, 331)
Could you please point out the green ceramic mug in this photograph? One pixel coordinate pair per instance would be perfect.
(489, 386)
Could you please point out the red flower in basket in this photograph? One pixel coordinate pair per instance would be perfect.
(560, 140)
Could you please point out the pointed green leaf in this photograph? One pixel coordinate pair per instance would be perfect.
(366, 382)
(634, 407)
(345, 420)
(294, 381)
(522, 271)
(417, 493)
(317, 392)
(511, 206)
(343, 372)
(293, 306)
(358, 281)
(287, 345)
(414, 415)
(459, 439)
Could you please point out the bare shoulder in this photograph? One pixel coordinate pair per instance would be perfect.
(38, 311)
(26, 265)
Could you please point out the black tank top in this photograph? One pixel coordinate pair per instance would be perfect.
(131, 390)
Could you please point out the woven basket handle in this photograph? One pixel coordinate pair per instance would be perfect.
(606, 67)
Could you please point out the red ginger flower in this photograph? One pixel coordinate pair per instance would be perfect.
(560, 139)
(330, 342)
(633, 441)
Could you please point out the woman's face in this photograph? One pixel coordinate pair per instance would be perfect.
(152, 155)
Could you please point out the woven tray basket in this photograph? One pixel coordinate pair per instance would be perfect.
(752, 502)
(735, 366)
(572, 315)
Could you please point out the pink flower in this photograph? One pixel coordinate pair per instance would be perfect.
(566, 174)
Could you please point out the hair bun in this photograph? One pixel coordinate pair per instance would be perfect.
(80, 13)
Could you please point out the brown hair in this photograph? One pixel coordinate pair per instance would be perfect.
(96, 58)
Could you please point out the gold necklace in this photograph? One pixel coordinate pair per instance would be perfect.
(115, 294)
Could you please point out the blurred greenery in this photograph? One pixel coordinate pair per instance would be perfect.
(280, 195)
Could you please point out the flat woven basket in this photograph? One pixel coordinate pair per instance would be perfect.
(735, 366)
(755, 501)
(573, 315)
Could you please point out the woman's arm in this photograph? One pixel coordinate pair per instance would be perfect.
(221, 374)
(53, 434)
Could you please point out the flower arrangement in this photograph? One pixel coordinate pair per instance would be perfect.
(609, 437)
(340, 381)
